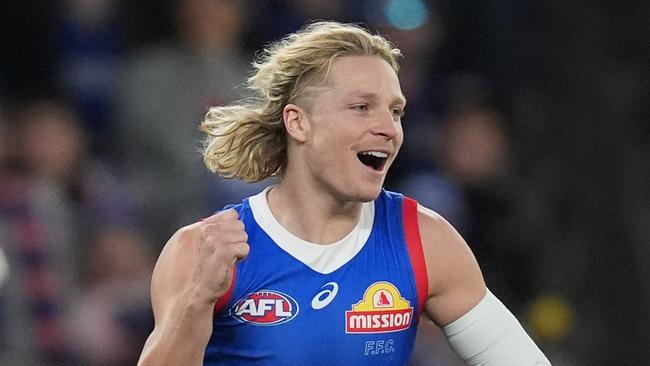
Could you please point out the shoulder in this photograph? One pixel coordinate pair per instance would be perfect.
(455, 280)
(433, 225)
(444, 248)
(430, 223)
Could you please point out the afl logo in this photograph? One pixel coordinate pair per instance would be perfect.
(265, 307)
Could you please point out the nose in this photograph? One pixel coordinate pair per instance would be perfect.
(386, 125)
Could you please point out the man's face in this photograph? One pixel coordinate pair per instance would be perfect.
(355, 127)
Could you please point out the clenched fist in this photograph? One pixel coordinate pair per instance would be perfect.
(221, 242)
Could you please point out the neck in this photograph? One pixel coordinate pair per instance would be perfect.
(312, 214)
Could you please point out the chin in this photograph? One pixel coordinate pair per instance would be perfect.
(360, 190)
(366, 194)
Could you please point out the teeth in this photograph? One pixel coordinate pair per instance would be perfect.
(377, 154)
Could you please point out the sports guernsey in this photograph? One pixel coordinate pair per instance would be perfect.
(353, 302)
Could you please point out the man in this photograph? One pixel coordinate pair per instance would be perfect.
(325, 268)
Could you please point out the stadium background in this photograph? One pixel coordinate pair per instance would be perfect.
(527, 127)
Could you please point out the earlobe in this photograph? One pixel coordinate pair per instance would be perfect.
(295, 122)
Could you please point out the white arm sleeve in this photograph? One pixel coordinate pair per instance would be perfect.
(489, 335)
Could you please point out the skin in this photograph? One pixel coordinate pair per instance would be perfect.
(319, 199)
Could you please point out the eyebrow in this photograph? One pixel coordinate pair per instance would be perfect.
(373, 96)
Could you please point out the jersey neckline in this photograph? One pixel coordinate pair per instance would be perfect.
(322, 258)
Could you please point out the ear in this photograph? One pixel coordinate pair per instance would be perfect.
(296, 122)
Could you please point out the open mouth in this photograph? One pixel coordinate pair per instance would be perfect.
(373, 159)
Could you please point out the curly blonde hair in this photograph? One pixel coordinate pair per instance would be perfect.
(248, 140)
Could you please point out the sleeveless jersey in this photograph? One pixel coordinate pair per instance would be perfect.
(354, 302)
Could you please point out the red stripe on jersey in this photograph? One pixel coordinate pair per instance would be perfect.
(223, 300)
(414, 245)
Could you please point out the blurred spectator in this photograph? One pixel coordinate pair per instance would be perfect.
(90, 45)
(47, 210)
(476, 147)
(112, 317)
(164, 93)
(54, 151)
(475, 153)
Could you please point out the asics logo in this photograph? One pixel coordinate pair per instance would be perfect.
(323, 298)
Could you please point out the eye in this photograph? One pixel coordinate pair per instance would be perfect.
(360, 107)
(397, 112)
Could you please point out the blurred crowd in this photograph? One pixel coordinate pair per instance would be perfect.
(526, 127)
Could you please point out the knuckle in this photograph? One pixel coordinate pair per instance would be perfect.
(228, 226)
(233, 236)
(242, 250)
(215, 228)
(224, 215)
(186, 233)
(228, 214)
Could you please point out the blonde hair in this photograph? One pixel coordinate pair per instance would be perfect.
(248, 140)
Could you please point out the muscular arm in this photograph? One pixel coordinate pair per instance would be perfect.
(479, 328)
(456, 284)
(193, 271)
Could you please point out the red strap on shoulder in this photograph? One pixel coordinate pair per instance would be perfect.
(223, 300)
(416, 254)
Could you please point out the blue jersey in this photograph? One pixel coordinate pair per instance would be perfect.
(354, 302)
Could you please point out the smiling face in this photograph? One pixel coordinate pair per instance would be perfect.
(350, 130)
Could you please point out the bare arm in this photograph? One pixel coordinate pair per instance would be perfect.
(456, 284)
(193, 271)
(479, 328)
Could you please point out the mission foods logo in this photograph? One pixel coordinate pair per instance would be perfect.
(382, 310)
(265, 307)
